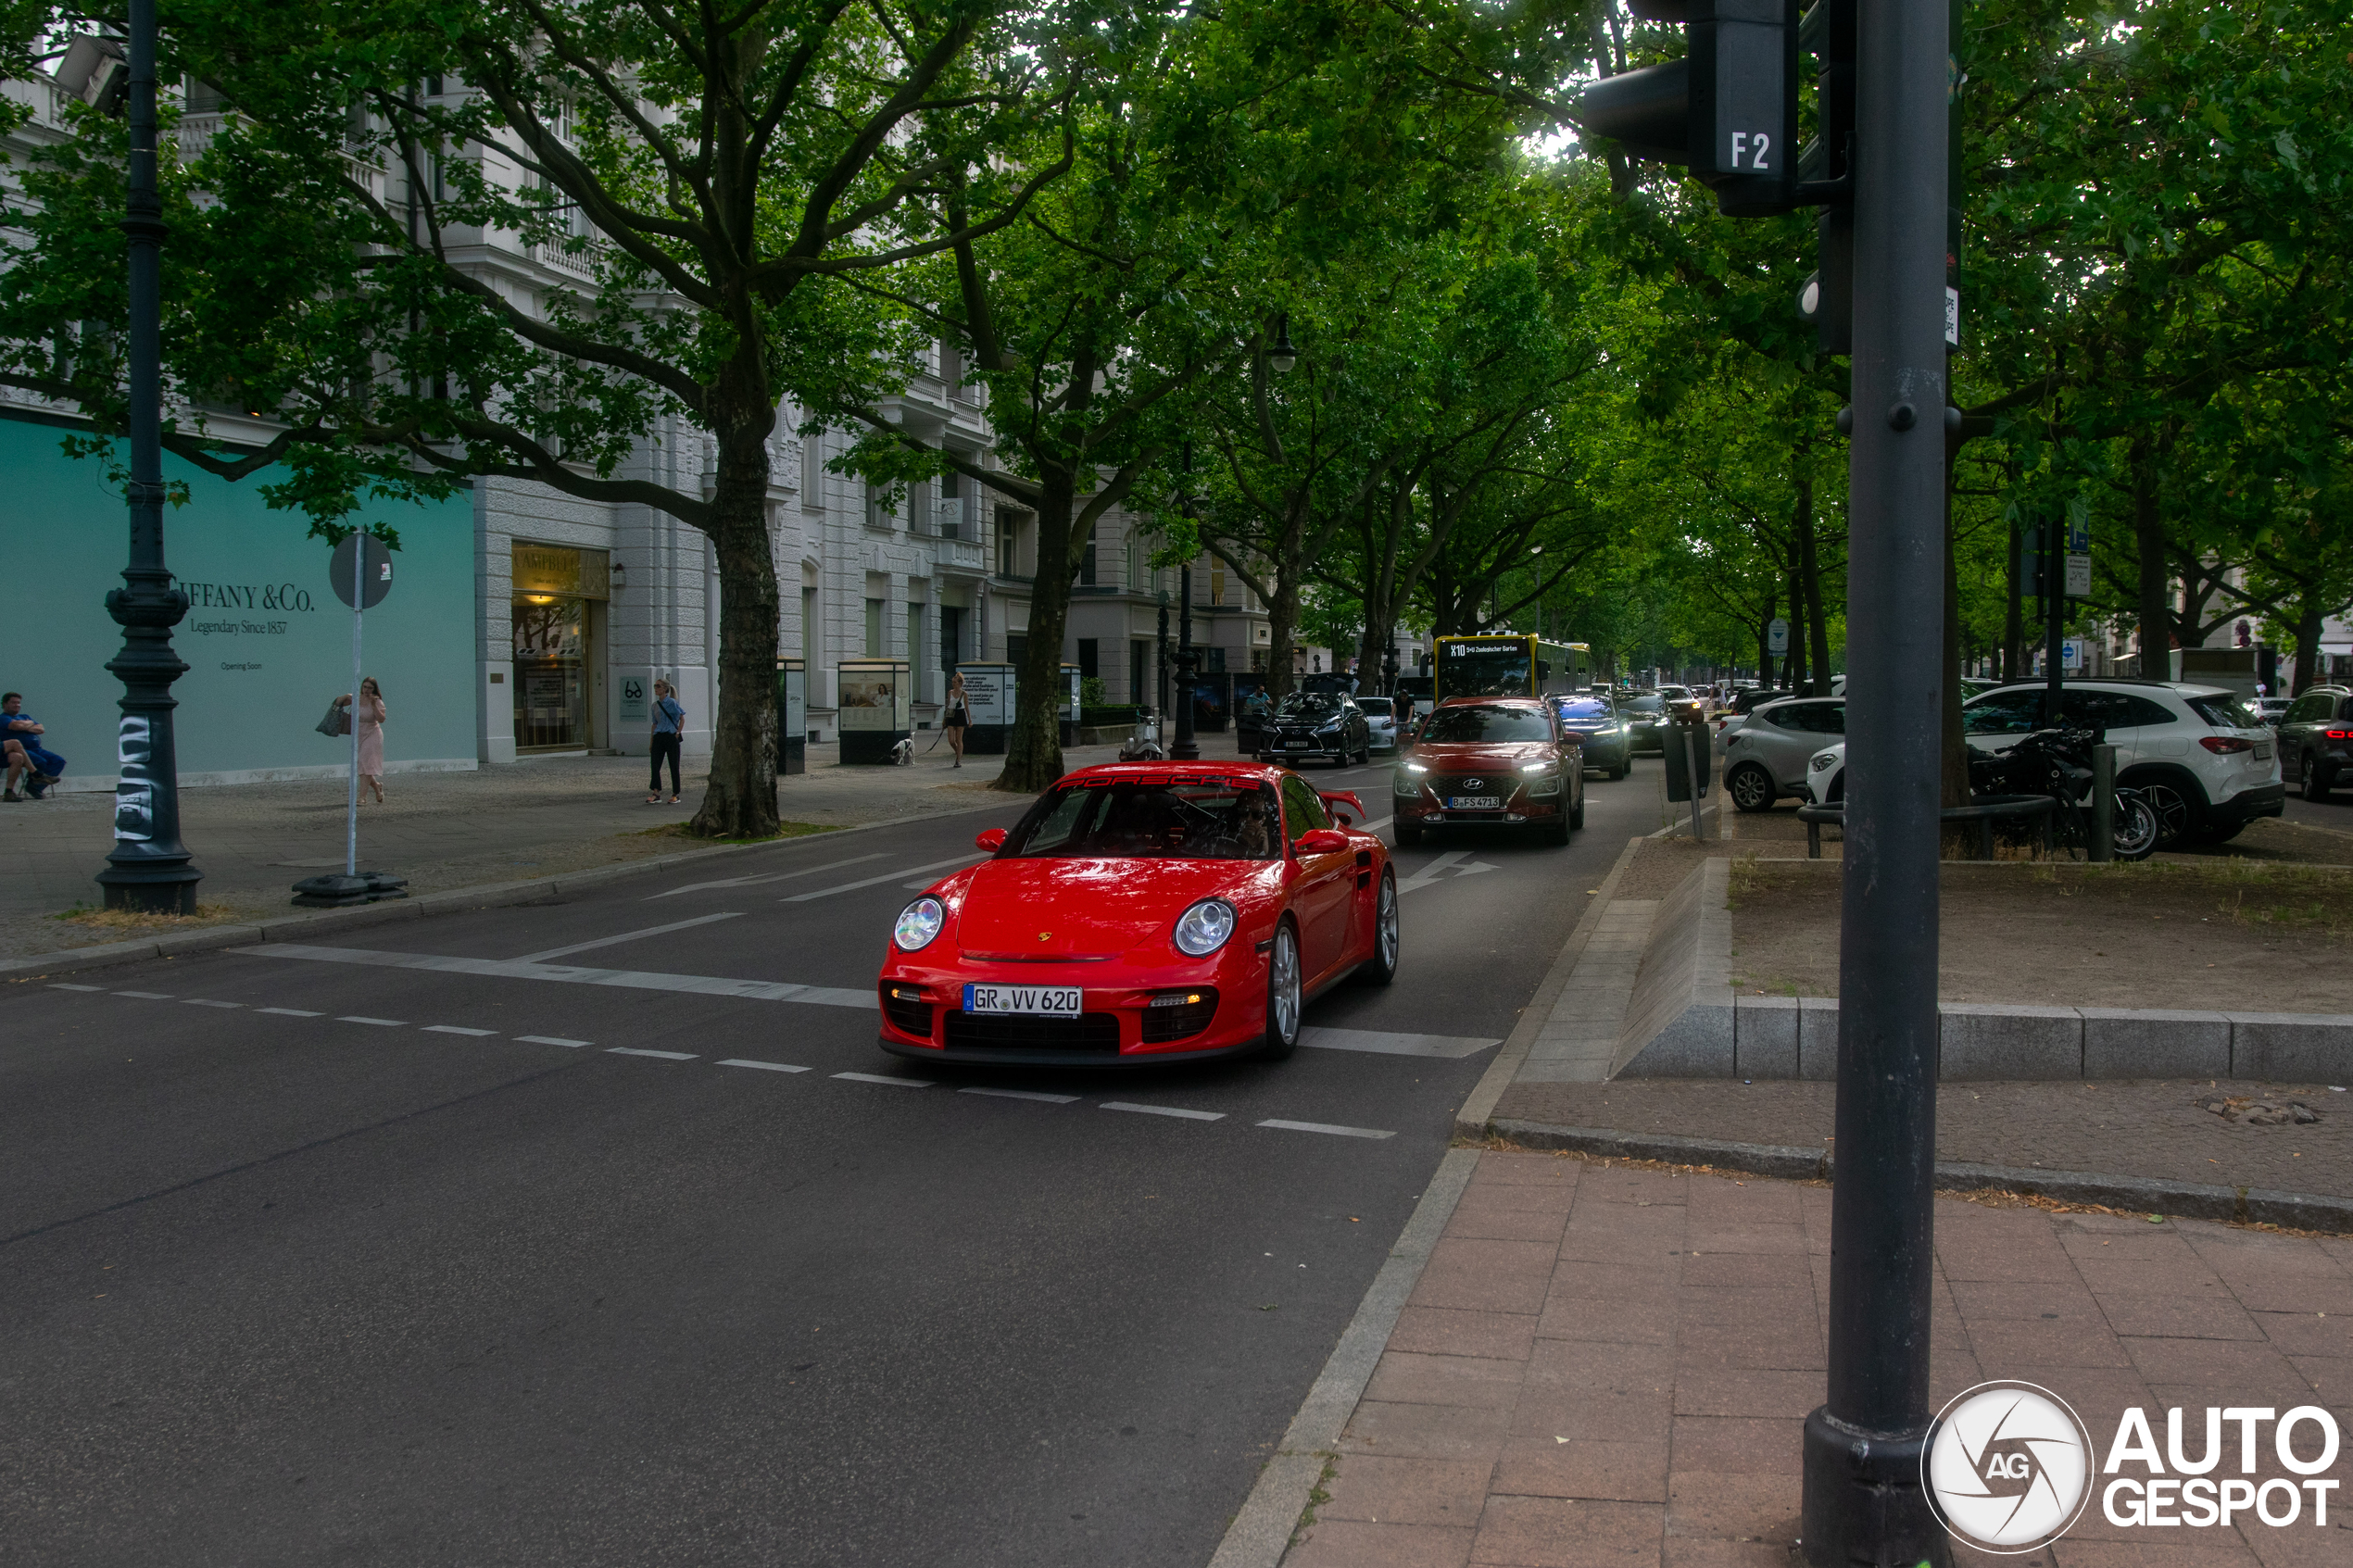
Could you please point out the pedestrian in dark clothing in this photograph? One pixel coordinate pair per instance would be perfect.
(25, 756)
(670, 725)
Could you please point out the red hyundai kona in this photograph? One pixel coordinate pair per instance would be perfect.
(1499, 760)
(1144, 912)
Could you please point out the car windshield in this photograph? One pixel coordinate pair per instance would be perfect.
(1647, 705)
(1374, 707)
(1575, 707)
(1169, 819)
(1308, 705)
(1499, 725)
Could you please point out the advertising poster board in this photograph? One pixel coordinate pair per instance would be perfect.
(870, 708)
(989, 693)
(792, 716)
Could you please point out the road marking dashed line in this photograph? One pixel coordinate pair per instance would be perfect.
(147, 995)
(1020, 1094)
(639, 1051)
(63, 985)
(778, 876)
(764, 1066)
(379, 1022)
(1164, 1111)
(965, 859)
(1328, 1127)
(878, 1078)
(206, 1002)
(551, 1040)
(292, 1013)
(456, 1029)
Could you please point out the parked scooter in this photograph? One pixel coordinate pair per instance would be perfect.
(2058, 762)
(1142, 744)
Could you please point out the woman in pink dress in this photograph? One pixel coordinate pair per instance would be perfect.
(368, 721)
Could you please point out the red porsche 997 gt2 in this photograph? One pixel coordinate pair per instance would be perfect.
(1144, 912)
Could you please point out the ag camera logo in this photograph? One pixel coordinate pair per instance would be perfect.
(2009, 1467)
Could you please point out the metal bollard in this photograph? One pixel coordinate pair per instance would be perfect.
(2102, 845)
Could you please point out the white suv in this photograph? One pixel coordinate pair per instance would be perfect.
(2207, 764)
(2204, 762)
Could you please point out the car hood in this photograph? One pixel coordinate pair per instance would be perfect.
(1466, 758)
(1024, 909)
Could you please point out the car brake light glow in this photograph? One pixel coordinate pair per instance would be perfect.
(2341, 735)
(2225, 744)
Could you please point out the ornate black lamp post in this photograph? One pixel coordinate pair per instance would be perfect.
(149, 869)
(1183, 748)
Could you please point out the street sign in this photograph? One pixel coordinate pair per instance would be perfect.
(2079, 577)
(375, 571)
(1777, 636)
(2070, 654)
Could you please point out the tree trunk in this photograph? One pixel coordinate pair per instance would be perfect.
(1764, 644)
(2014, 614)
(1809, 564)
(1282, 612)
(2308, 642)
(1954, 775)
(1794, 674)
(1034, 751)
(2149, 540)
(741, 800)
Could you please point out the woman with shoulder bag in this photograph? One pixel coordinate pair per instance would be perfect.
(367, 715)
(958, 717)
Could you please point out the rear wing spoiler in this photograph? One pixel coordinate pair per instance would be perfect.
(1345, 798)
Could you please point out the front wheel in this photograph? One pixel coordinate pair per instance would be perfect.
(1381, 968)
(2136, 828)
(1751, 788)
(1282, 994)
(2316, 780)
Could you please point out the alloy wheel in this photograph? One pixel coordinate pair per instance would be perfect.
(1386, 932)
(1282, 989)
(2173, 811)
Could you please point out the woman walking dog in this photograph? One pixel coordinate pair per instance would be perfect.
(958, 717)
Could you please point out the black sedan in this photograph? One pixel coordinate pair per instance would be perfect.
(1644, 716)
(1600, 730)
(1317, 726)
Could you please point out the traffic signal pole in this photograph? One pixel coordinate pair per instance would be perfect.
(1863, 1497)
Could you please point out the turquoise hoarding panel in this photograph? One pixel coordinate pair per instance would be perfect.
(267, 643)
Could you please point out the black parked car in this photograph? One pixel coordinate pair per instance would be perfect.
(2315, 740)
(1318, 724)
(1600, 730)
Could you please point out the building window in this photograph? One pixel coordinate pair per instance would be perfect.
(952, 505)
(878, 514)
(914, 646)
(1087, 560)
(809, 629)
(951, 636)
(1139, 557)
(1217, 583)
(1140, 658)
(813, 473)
(1016, 647)
(1089, 654)
(875, 628)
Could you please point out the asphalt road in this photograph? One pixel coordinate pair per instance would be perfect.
(335, 1259)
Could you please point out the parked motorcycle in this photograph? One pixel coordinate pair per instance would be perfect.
(1142, 744)
(2058, 762)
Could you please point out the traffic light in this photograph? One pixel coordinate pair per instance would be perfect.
(1728, 108)
(1826, 171)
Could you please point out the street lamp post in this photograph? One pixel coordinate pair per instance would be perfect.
(1863, 1497)
(1183, 749)
(149, 869)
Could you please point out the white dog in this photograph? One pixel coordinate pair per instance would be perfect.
(903, 754)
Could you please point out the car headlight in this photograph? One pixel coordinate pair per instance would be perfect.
(1821, 764)
(1537, 767)
(918, 923)
(1203, 928)
(1415, 767)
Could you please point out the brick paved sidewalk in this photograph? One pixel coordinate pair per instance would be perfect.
(1604, 1365)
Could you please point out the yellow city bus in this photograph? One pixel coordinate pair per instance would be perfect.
(1505, 665)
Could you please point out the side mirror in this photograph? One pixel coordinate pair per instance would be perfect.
(992, 841)
(1320, 840)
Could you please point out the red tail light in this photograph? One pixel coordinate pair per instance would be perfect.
(2341, 735)
(2225, 744)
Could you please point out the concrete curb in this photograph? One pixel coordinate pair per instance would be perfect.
(1262, 1530)
(1508, 1061)
(2150, 1194)
(490, 895)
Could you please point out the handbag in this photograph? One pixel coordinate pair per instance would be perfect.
(337, 722)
